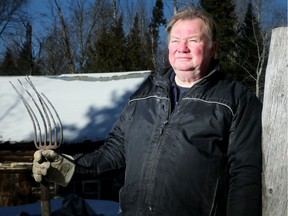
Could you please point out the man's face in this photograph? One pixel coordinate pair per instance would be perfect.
(189, 50)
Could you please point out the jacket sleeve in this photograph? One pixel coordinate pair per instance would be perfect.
(109, 157)
(245, 159)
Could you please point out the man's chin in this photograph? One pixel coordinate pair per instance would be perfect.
(186, 69)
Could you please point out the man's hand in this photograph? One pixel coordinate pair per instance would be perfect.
(54, 167)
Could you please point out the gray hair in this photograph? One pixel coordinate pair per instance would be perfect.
(191, 12)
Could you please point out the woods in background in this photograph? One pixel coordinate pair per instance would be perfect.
(121, 35)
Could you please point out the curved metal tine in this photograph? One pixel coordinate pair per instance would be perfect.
(44, 108)
(39, 110)
(59, 122)
(54, 128)
(54, 144)
(32, 116)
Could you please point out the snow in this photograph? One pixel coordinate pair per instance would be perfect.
(88, 104)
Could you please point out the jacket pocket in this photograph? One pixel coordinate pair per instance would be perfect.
(127, 199)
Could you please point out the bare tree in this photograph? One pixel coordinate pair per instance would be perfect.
(114, 9)
(261, 9)
(139, 7)
(72, 33)
(12, 17)
(278, 17)
(87, 20)
(65, 38)
(175, 6)
(10, 13)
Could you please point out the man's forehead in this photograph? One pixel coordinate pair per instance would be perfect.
(188, 25)
(191, 27)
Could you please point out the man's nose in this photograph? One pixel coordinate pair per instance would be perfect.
(183, 47)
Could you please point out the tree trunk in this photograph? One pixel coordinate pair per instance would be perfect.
(275, 127)
(67, 49)
(175, 7)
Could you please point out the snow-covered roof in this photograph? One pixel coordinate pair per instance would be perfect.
(88, 104)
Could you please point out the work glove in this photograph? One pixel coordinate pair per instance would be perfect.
(53, 167)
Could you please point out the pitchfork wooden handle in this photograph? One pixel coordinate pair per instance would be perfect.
(53, 132)
(45, 201)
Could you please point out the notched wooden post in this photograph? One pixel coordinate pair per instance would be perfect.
(275, 127)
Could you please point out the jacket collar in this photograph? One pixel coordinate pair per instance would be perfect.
(163, 77)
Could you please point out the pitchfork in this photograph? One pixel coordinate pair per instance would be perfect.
(53, 132)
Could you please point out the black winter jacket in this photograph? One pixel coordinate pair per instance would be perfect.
(203, 158)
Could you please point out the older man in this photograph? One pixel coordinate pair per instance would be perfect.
(189, 138)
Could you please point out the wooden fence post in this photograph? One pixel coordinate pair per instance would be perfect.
(275, 127)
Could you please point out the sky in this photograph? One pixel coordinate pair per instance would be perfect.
(40, 12)
(40, 8)
(40, 16)
(88, 104)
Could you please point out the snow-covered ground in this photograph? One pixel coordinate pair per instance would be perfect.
(99, 207)
(88, 104)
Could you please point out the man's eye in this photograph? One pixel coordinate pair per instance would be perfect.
(192, 41)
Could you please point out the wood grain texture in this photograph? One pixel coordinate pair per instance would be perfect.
(275, 127)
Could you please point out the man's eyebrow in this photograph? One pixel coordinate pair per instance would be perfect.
(172, 36)
(189, 37)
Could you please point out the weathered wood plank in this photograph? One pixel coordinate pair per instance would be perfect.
(275, 127)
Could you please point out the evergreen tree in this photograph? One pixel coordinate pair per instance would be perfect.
(224, 15)
(134, 46)
(8, 66)
(137, 57)
(20, 63)
(52, 60)
(250, 45)
(156, 21)
(98, 56)
(118, 42)
(25, 61)
(109, 52)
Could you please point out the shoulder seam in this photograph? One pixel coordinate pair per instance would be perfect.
(211, 102)
(144, 98)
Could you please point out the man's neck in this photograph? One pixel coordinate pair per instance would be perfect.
(186, 83)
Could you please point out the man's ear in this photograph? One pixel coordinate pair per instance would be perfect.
(213, 49)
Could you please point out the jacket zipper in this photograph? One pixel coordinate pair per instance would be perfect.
(151, 171)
